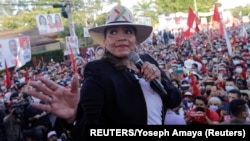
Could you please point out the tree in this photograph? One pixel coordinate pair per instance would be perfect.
(243, 10)
(146, 8)
(172, 6)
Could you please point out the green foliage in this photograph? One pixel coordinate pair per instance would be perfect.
(171, 6)
(147, 9)
(244, 11)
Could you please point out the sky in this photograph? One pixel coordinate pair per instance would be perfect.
(233, 3)
(225, 3)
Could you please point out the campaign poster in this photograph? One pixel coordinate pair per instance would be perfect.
(49, 23)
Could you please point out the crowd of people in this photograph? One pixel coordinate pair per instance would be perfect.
(205, 84)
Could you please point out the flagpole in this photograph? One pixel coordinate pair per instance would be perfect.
(229, 46)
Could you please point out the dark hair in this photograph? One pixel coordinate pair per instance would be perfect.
(235, 91)
(196, 65)
(14, 95)
(237, 106)
(42, 17)
(230, 79)
(176, 80)
(202, 98)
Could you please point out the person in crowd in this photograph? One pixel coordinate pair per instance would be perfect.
(12, 121)
(202, 114)
(99, 52)
(2, 129)
(114, 90)
(239, 111)
(215, 104)
(52, 136)
(234, 94)
(230, 84)
(167, 35)
(173, 117)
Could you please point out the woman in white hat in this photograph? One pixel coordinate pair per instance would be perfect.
(114, 91)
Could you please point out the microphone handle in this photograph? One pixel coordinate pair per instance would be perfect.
(155, 83)
(158, 87)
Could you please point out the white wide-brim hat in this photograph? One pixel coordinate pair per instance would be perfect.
(120, 15)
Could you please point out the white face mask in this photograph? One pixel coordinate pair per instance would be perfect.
(236, 62)
(228, 88)
(213, 107)
(238, 70)
(3, 87)
(204, 61)
(190, 104)
(215, 60)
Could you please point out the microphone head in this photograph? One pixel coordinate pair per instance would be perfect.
(133, 57)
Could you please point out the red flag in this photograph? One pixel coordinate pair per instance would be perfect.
(221, 29)
(186, 33)
(197, 29)
(7, 73)
(195, 88)
(191, 17)
(34, 60)
(72, 60)
(234, 40)
(216, 15)
(26, 75)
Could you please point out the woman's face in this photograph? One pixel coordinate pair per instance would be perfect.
(57, 18)
(120, 40)
(43, 20)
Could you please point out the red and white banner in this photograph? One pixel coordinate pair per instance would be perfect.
(16, 51)
(71, 43)
(49, 23)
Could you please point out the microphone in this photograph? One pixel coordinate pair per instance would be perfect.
(155, 83)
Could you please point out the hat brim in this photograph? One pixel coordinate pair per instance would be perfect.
(142, 32)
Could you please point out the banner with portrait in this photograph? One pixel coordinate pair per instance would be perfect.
(86, 32)
(49, 23)
(71, 42)
(16, 52)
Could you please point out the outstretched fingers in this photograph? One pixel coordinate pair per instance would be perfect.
(75, 84)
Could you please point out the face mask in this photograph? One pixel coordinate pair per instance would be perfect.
(213, 107)
(176, 86)
(204, 61)
(248, 61)
(215, 60)
(228, 88)
(236, 62)
(189, 104)
(219, 49)
(3, 87)
(238, 70)
(14, 100)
